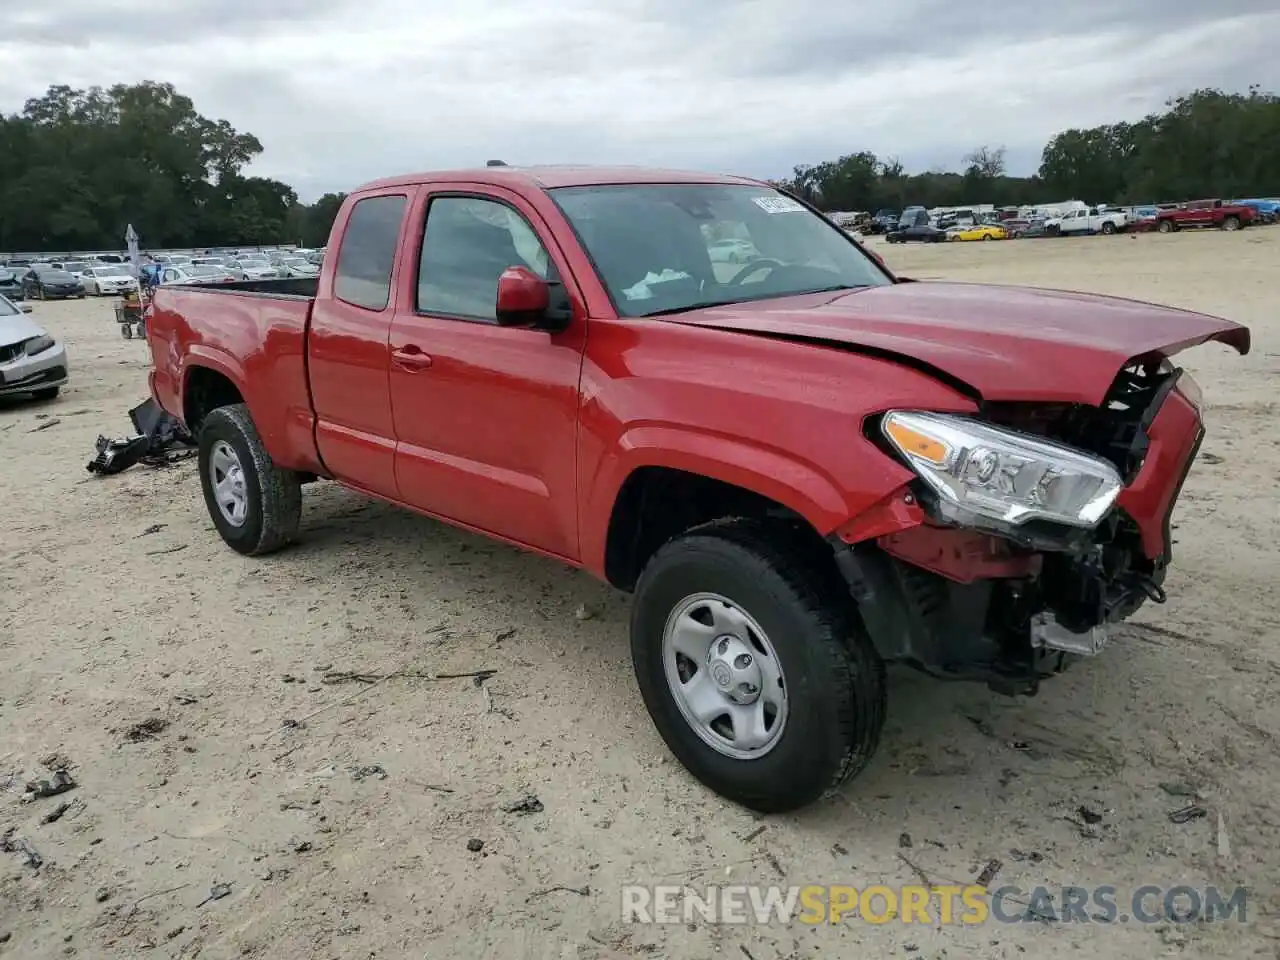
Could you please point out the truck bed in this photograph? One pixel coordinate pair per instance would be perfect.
(292, 287)
(245, 340)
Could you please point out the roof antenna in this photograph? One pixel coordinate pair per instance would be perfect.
(494, 163)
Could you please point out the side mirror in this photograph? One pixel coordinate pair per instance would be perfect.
(523, 298)
(24, 307)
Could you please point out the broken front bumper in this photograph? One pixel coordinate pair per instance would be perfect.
(1011, 610)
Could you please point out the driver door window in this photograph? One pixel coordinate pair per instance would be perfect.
(467, 244)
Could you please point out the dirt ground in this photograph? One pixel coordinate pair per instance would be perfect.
(184, 687)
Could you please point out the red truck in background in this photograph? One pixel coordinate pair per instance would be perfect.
(1204, 213)
(802, 466)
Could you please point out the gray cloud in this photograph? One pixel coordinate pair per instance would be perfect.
(344, 91)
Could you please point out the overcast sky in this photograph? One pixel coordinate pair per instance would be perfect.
(344, 91)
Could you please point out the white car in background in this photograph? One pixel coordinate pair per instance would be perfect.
(732, 251)
(196, 274)
(252, 268)
(298, 267)
(105, 281)
(31, 361)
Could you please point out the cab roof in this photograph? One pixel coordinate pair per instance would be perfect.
(552, 176)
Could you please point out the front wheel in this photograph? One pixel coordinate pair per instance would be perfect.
(1108, 228)
(254, 504)
(754, 672)
(1166, 226)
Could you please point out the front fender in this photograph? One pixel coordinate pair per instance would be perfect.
(799, 486)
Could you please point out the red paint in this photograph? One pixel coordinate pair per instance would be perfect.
(960, 555)
(528, 435)
(1173, 437)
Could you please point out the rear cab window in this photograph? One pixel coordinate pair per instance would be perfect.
(362, 276)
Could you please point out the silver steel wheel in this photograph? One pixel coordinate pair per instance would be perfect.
(724, 676)
(227, 478)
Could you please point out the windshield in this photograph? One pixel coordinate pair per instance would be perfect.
(7, 309)
(659, 248)
(296, 262)
(254, 262)
(111, 272)
(204, 270)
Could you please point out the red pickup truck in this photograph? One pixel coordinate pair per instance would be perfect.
(1204, 213)
(802, 466)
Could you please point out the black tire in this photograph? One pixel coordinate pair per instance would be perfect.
(835, 680)
(1166, 226)
(274, 496)
(1231, 223)
(48, 393)
(1108, 228)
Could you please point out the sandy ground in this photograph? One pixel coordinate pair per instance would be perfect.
(184, 687)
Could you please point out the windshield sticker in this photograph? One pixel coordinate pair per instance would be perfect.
(776, 204)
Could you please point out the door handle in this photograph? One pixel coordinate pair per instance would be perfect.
(411, 358)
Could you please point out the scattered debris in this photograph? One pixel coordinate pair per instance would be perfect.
(430, 786)
(1224, 841)
(904, 841)
(754, 833)
(156, 433)
(505, 635)
(988, 873)
(60, 782)
(352, 676)
(160, 553)
(147, 729)
(216, 892)
(301, 846)
(525, 805)
(11, 844)
(1029, 856)
(917, 870)
(839, 850)
(583, 891)
(56, 814)
(185, 699)
(103, 895)
(982, 726)
(584, 613)
(1090, 817)
(46, 425)
(1178, 789)
(372, 770)
(1188, 813)
(154, 528)
(475, 845)
(745, 952)
(1210, 458)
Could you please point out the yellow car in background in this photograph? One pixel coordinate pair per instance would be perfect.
(983, 231)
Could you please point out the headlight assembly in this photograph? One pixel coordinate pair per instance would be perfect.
(997, 474)
(38, 345)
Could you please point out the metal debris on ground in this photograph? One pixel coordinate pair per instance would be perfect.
(371, 770)
(56, 814)
(583, 891)
(216, 892)
(475, 845)
(157, 433)
(1188, 813)
(60, 782)
(11, 844)
(525, 805)
(46, 425)
(988, 873)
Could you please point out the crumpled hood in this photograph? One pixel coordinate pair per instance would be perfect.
(1006, 343)
(15, 329)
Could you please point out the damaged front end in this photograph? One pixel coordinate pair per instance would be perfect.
(1031, 530)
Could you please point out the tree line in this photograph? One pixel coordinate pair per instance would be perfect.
(1206, 144)
(78, 166)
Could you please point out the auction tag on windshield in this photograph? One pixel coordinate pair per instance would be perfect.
(778, 205)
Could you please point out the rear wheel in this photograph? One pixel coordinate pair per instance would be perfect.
(1108, 228)
(754, 672)
(254, 504)
(1231, 223)
(1166, 226)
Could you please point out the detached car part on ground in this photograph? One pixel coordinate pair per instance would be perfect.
(800, 472)
(31, 361)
